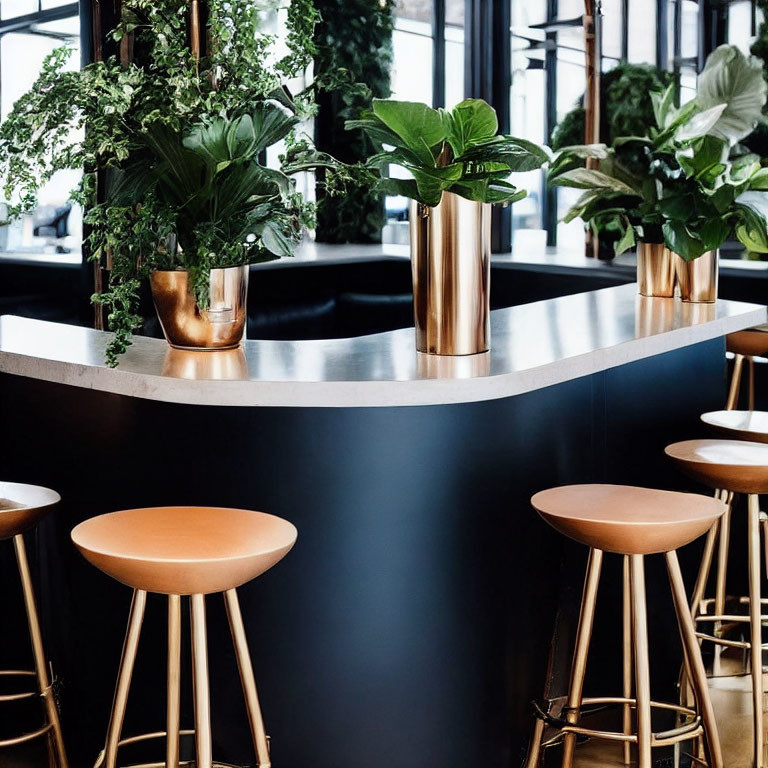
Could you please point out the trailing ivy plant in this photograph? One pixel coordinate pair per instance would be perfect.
(679, 184)
(177, 143)
(457, 151)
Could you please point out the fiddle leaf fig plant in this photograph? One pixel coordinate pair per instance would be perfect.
(683, 183)
(456, 151)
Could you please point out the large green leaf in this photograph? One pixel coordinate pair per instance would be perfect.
(584, 178)
(730, 78)
(700, 123)
(272, 122)
(418, 125)
(519, 155)
(681, 241)
(470, 122)
(663, 103)
(705, 159)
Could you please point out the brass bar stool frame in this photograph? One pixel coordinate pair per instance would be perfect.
(696, 725)
(200, 685)
(34, 502)
(723, 623)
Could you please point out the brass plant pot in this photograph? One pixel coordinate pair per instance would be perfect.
(451, 263)
(655, 270)
(698, 278)
(185, 325)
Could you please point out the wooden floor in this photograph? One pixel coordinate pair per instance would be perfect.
(731, 698)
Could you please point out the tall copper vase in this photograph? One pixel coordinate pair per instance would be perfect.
(655, 270)
(451, 263)
(698, 278)
(185, 325)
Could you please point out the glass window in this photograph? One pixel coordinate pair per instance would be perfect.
(613, 22)
(454, 52)
(740, 31)
(642, 36)
(412, 47)
(12, 8)
(55, 226)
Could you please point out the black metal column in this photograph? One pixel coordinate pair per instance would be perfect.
(438, 53)
(549, 193)
(487, 75)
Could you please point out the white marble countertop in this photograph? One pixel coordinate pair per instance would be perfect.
(533, 346)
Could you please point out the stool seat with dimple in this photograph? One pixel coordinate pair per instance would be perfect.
(631, 522)
(738, 465)
(184, 550)
(739, 425)
(750, 343)
(626, 519)
(179, 552)
(23, 506)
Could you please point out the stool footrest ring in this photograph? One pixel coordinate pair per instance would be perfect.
(693, 728)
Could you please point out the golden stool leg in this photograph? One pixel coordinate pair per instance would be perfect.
(260, 743)
(200, 683)
(695, 666)
(627, 659)
(130, 646)
(642, 671)
(534, 748)
(36, 637)
(751, 383)
(733, 393)
(756, 634)
(722, 574)
(581, 651)
(174, 682)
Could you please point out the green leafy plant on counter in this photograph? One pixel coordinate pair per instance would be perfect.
(354, 47)
(175, 143)
(457, 151)
(679, 184)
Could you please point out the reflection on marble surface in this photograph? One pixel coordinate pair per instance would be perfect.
(212, 365)
(533, 346)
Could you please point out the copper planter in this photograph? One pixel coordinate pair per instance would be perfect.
(451, 263)
(698, 278)
(655, 270)
(220, 326)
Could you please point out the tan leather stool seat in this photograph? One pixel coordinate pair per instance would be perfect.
(184, 550)
(737, 465)
(739, 425)
(21, 506)
(626, 519)
(750, 342)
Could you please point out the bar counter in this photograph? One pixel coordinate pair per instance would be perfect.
(411, 624)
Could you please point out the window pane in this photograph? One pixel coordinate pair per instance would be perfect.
(55, 224)
(12, 8)
(612, 28)
(689, 29)
(412, 47)
(642, 31)
(740, 24)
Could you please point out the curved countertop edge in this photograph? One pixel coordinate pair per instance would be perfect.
(341, 393)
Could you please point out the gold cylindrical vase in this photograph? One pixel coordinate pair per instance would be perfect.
(186, 326)
(451, 263)
(655, 270)
(698, 278)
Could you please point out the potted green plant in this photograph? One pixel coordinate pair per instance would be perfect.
(457, 166)
(176, 141)
(678, 192)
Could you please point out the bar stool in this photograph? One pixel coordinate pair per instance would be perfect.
(633, 522)
(733, 466)
(745, 345)
(21, 508)
(179, 551)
